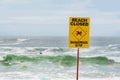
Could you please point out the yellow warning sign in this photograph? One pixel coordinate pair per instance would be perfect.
(79, 32)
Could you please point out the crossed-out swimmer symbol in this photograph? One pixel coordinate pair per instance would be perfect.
(79, 33)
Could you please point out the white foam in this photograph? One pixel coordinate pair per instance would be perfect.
(30, 48)
(109, 78)
(21, 40)
(90, 49)
(12, 50)
(5, 44)
(1, 58)
(112, 45)
(19, 50)
(116, 59)
(18, 76)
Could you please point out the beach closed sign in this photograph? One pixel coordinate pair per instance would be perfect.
(79, 28)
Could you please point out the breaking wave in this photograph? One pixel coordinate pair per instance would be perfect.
(65, 60)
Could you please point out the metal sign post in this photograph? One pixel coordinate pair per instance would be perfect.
(77, 65)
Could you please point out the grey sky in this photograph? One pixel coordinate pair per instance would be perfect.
(50, 17)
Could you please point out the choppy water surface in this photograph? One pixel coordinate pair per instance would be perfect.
(49, 58)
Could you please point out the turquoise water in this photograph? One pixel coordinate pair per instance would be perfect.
(49, 59)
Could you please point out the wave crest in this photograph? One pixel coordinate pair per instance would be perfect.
(65, 60)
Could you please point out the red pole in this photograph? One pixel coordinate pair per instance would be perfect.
(77, 63)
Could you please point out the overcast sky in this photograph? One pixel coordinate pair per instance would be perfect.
(50, 17)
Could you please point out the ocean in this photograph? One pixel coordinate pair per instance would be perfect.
(49, 58)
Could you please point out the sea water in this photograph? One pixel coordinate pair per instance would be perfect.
(49, 58)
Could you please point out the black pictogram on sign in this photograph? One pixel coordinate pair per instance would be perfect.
(79, 33)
